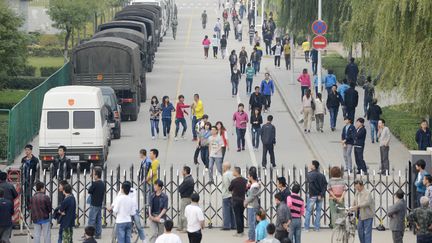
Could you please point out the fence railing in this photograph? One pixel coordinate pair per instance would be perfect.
(383, 189)
(25, 116)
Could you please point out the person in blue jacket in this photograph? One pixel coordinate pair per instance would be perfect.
(329, 80)
(267, 89)
(167, 108)
(341, 90)
(423, 136)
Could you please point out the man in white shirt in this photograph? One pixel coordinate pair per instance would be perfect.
(384, 141)
(168, 237)
(124, 208)
(277, 51)
(195, 220)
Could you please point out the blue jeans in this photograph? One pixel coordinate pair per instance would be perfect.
(124, 232)
(42, 230)
(181, 121)
(257, 67)
(137, 220)
(212, 162)
(154, 127)
(95, 219)
(249, 85)
(241, 137)
(333, 116)
(194, 123)
(234, 88)
(311, 202)
(303, 91)
(251, 217)
(351, 113)
(365, 230)
(60, 238)
(374, 130)
(228, 214)
(255, 137)
(295, 230)
(166, 126)
(204, 151)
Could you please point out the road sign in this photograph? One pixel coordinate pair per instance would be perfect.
(319, 27)
(319, 42)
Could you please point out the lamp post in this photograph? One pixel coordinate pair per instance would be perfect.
(319, 66)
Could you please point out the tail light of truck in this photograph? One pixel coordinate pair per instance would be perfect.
(93, 157)
(116, 114)
(48, 158)
(128, 100)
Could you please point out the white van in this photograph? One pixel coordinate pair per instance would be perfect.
(75, 117)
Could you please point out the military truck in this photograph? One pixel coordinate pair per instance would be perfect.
(145, 14)
(114, 62)
(161, 6)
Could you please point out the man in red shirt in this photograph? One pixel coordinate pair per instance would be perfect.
(180, 111)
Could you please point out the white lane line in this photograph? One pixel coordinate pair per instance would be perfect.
(248, 139)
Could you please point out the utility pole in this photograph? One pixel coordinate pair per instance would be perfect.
(292, 46)
(319, 51)
(262, 12)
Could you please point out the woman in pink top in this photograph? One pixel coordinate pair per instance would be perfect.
(206, 43)
(305, 81)
(241, 120)
(336, 188)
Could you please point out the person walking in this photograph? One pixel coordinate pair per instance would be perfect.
(174, 25)
(287, 55)
(227, 28)
(238, 189)
(204, 19)
(168, 236)
(351, 71)
(257, 38)
(256, 100)
(235, 23)
(261, 228)
(364, 205)
(152, 174)
(333, 102)
(347, 139)
(267, 35)
(329, 81)
(359, 144)
(6, 213)
(97, 195)
(155, 111)
(67, 210)
(218, 28)
(384, 141)
(124, 208)
(198, 128)
(250, 72)
(222, 132)
(239, 28)
(283, 219)
(243, 57)
(252, 203)
(297, 208)
(9, 190)
(180, 116)
(206, 44)
(240, 120)
(268, 139)
(351, 101)
(267, 90)
(373, 115)
(197, 110)
(195, 219)
(257, 58)
(251, 34)
(40, 214)
(317, 190)
(203, 143)
(308, 107)
(423, 136)
(185, 189)
(157, 210)
(397, 213)
(235, 79)
(305, 82)
(421, 217)
(223, 46)
(306, 49)
(420, 166)
(167, 108)
(215, 152)
(369, 93)
(215, 46)
(233, 59)
(277, 52)
(320, 112)
(62, 164)
(336, 188)
(341, 90)
(256, 121)
(228, 218)
(314, 57)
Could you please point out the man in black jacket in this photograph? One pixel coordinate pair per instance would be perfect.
(6, 212)
(9, 190)
(268, 138)
(256, 100)
(317, 190)
(185, 189)
(351, 100)
(62, 165)
(333, 102)
(351, 71)
(359, 143)
(29, 170)
(374, 115)
(238, 189)
(348, 134)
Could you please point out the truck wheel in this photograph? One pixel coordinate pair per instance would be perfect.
(117, 133)
(150, 66)
(134, 117)
(144, 91)
(124, 117)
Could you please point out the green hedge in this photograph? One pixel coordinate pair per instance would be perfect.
(21, 82)
(38, 51)
(48, 71)
(337, 63)
(9, 97)
(403, 123)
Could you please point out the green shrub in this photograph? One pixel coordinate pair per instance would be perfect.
(39, 51)
(4, 120)
(337, 63)
(21, 82)
(48, 71)
(9, 97)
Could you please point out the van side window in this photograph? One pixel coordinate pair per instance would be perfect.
(58, 120)
(83, 119)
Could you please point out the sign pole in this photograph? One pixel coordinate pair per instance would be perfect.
(262, 12)
(319, 66)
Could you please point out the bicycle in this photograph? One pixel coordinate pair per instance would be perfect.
(345, 229)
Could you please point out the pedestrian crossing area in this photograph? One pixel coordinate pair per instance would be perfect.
(197, 5)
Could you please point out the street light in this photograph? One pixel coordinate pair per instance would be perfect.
(319, 51)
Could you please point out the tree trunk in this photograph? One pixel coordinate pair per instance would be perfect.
(79, 37)
(95, 22)
(66, 43)
(73, 38)
(85, 32)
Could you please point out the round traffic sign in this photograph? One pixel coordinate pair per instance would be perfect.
(319, 42)
(319, 27)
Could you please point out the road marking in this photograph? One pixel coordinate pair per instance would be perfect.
(248, 139)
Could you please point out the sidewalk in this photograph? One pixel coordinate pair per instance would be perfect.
(326, 146)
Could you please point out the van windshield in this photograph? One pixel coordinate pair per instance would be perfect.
(58, 120)
(84, 119)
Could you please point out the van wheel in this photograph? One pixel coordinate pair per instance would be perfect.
(117, 133)
(134, 117)
(124, 117)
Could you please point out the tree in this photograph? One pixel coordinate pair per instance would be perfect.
(13, 43)
(69, 15)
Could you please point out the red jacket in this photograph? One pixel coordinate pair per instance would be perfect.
(179, 110)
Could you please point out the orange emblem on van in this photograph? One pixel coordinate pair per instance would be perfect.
(71, 102)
